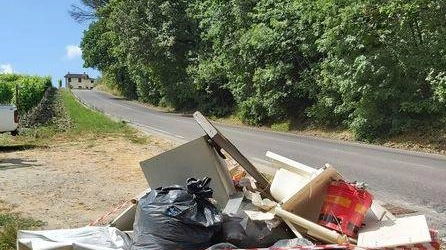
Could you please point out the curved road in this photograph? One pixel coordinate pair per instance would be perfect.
(407, 179)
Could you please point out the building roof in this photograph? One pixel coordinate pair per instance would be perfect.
(71, 75)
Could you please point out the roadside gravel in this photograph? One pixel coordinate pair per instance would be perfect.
(71, 184)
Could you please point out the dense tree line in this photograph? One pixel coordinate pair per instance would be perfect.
(374, 66)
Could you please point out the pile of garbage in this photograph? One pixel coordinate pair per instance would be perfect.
(207, 195)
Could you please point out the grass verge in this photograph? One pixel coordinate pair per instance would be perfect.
(74, 122)
(85, 121)
(10, 223)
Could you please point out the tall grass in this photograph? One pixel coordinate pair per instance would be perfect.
(10, 223)
(87, 122)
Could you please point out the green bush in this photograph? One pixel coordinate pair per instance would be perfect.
(376, 76)
(31, 90)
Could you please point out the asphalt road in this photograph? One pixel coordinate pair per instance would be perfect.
(405, 178)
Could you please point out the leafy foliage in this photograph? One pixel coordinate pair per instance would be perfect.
(6, 93)
(374, 66)
(31, 90)
(378, 57)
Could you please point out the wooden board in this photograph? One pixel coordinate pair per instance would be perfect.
(225, 144)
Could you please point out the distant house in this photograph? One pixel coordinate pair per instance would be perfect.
(78, 81)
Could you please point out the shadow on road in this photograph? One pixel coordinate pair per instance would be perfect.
(13, 163)
(120, 98)
(6, 149)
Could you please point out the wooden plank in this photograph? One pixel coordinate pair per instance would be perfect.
(218, 138)
(291, 165)
(313, 229)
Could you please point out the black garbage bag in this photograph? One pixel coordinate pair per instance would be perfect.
(177, 218)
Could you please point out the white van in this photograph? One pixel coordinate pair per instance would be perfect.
(9, 119)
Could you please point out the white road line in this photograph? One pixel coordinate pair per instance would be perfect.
(161, 132)
(412, 164)
(156, 129)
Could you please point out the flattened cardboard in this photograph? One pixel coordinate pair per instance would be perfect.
(220, 140)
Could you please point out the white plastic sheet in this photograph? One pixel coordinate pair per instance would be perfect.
(85, 238)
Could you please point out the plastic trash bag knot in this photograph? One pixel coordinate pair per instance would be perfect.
(199, 188)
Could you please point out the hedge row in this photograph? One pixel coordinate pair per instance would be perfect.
(31, 90)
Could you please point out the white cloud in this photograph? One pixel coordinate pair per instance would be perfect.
(73, 52)
(6, 69)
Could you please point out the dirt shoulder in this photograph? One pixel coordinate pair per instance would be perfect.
(71, 184)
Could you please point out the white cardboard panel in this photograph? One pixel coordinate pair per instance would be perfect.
(392, 233)
(194, 159)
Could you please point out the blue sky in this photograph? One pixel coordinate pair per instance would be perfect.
(40, 38)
